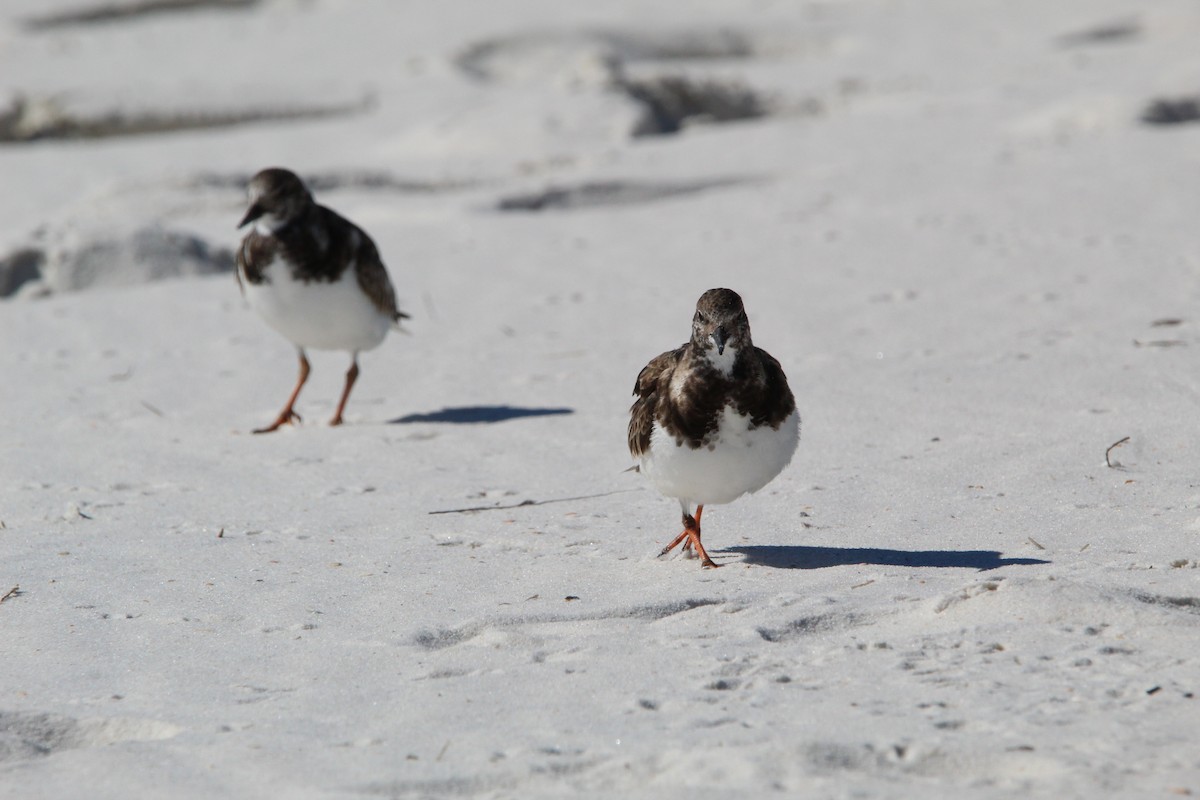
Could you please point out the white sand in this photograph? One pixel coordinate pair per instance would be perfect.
(954, 233)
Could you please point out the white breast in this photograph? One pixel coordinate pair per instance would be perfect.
(318, 314)
(738, 461)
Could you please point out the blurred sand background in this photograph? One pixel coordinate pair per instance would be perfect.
(967, 231)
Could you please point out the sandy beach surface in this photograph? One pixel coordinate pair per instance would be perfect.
(966, 230)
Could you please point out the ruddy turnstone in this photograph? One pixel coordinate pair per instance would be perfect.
(314, 276)
(714, 419)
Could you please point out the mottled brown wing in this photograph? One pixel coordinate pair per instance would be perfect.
(651, 381)
(255, 251)
(778, 402)
(373, 278)
(241, 265)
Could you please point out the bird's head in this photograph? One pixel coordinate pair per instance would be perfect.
(276, 197)
(720, 328)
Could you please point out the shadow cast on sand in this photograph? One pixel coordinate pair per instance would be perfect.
(464, 415)
(802, 557)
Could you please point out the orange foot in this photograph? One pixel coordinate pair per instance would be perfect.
(690, 538)
(286, 417)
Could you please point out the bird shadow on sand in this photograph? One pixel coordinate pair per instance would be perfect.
(803, 557)
(466, 415)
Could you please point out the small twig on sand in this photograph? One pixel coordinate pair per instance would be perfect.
(528, 503)
(1036, 543)
(442, 752)
(864, 583)
(13, 592)
(1112, 447)
(151, 409)
(489, 508)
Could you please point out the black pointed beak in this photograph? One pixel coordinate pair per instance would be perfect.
(719, 337)
(252, 213)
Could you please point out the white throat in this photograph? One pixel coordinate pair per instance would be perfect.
(722, 362)
(267, 224)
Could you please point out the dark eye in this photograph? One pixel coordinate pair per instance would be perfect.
(700, 317)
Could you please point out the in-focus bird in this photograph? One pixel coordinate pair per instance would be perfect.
(713, 419)
(314, 276)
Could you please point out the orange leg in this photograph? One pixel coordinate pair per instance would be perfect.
(351, 377)
(287, 416)
(687, 543)
(690, 538)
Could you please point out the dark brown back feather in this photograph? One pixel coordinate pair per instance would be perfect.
(318, 246)
(757, 387)
(769, 403)
(652, 382)
(373, 278)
